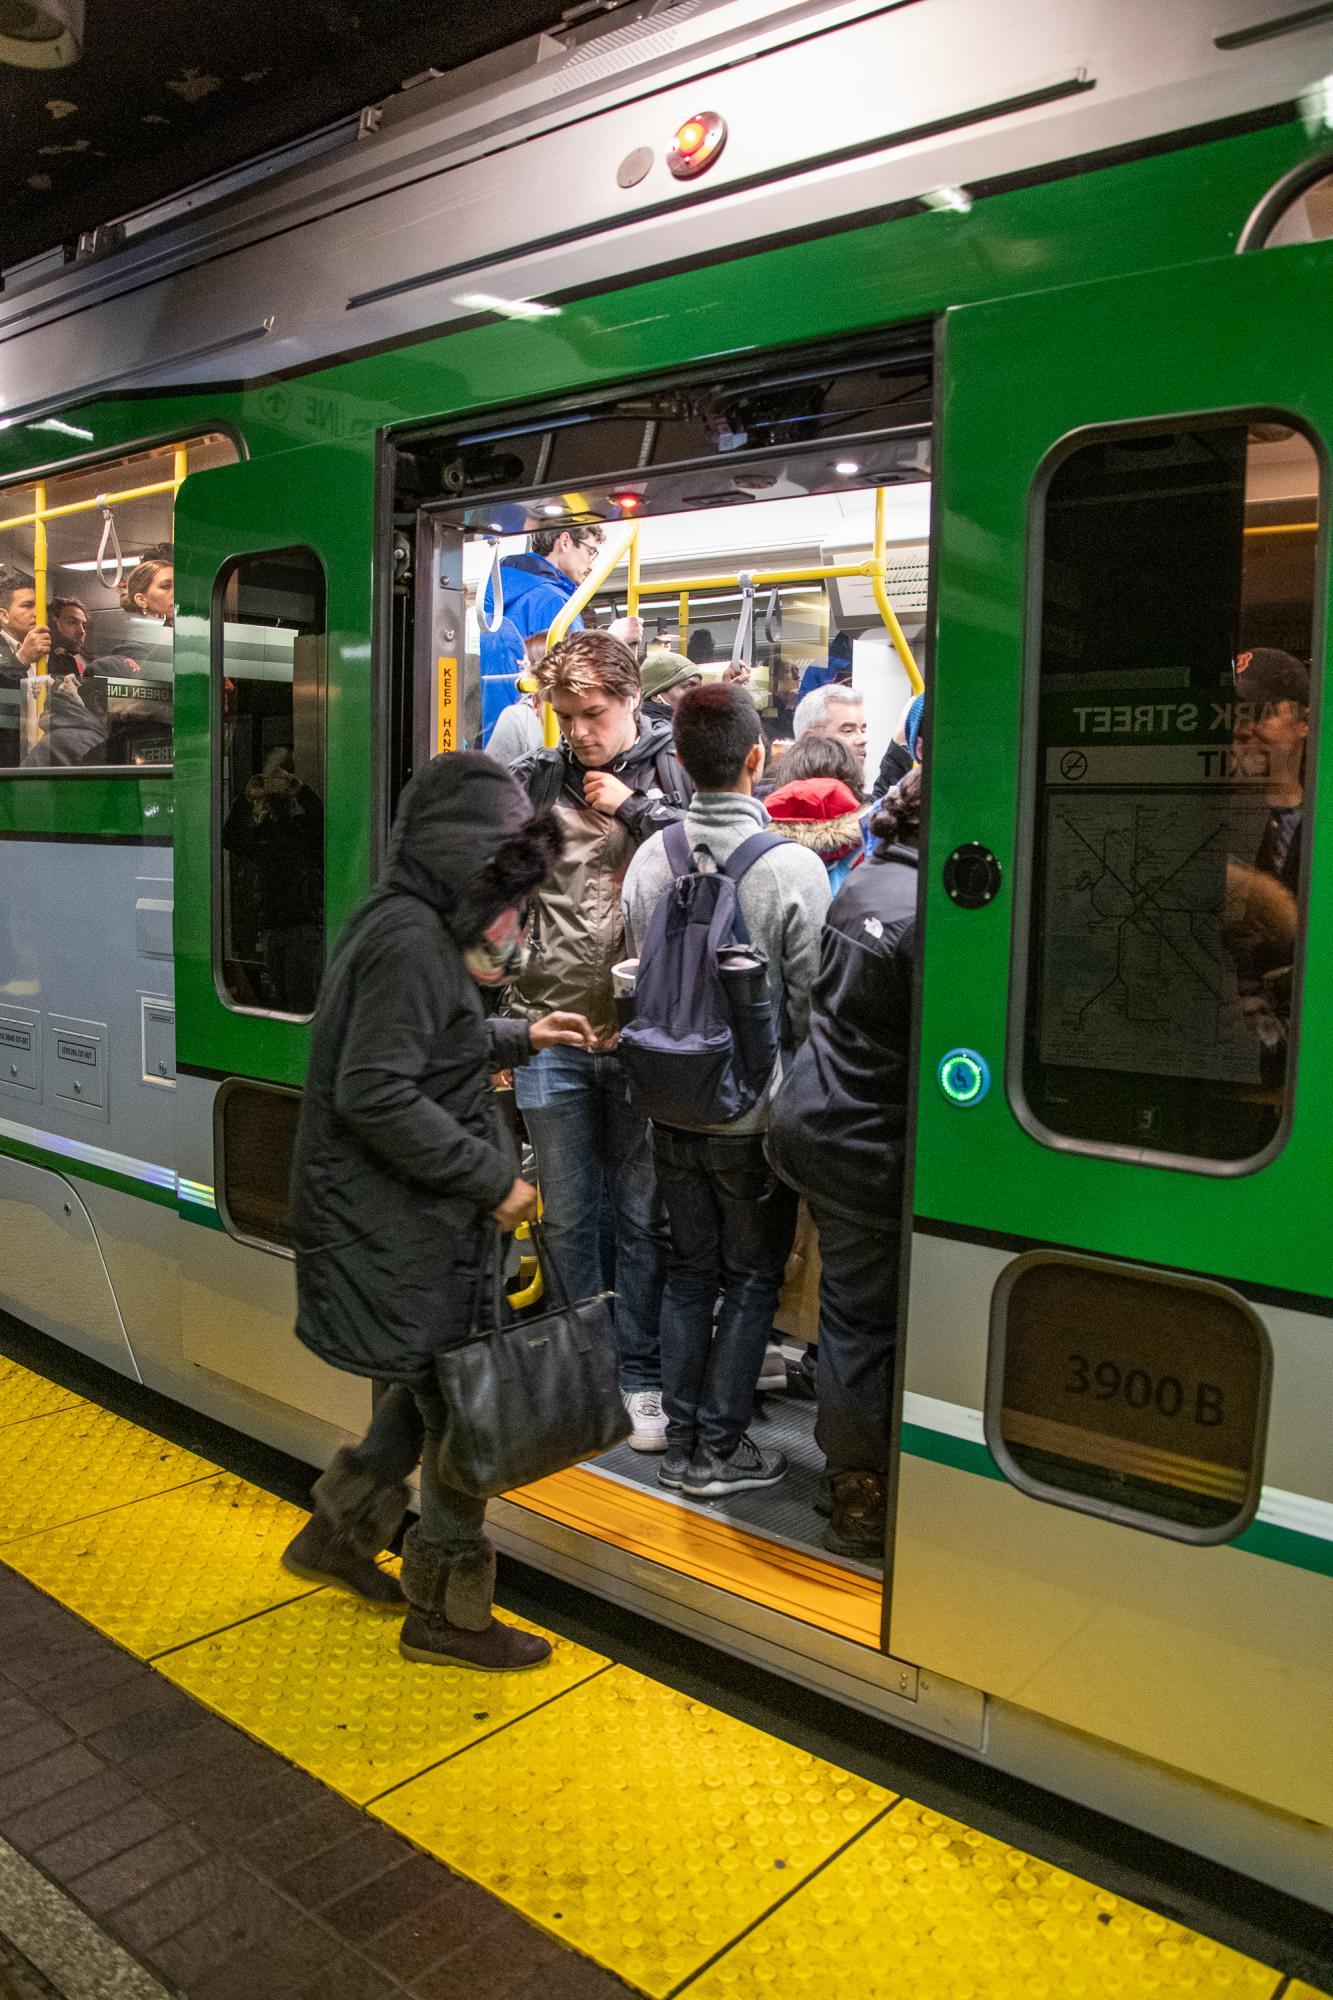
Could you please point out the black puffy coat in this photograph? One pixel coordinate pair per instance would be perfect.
(401, 1153)
(837, 1132)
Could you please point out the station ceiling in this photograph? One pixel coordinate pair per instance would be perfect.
(167, 92)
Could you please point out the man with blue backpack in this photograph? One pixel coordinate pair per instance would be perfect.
(725, 917)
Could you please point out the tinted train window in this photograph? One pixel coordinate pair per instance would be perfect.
(254, 1133)
(1172, 789)
(1129, 1393)
(87, 611)
(269, 659)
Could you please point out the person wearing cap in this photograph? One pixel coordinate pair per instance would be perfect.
(818, 804)
(667, 679)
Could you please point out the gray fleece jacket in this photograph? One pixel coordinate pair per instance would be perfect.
(784, 897)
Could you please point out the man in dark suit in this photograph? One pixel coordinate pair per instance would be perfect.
(23, 642)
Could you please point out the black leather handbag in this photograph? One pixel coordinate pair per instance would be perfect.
(528, 1399)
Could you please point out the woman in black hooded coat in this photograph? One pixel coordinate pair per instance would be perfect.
(403, 1168)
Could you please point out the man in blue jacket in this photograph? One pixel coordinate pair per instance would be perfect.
(533, 589)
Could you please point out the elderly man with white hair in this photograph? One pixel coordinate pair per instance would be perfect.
(833, 710)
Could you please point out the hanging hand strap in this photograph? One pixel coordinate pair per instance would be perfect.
(109, 535)
(742, 646)
(773, 621)
(492, 621)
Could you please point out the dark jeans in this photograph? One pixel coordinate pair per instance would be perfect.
(596, 1172)
(404, 1432)
(731, 1225)
(858, 1332)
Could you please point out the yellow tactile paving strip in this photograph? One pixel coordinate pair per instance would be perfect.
(24, 1395)
(323, 1683)
(685, 1851)
(697, 1543)
(172, 1568)
(80, 1462)
(924, 1908)
(644, 1828)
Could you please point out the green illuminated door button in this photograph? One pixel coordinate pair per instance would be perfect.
(964, 1077)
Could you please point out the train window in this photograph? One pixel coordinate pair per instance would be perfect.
(87, 607)
(268, 650)
(1171, 790)
(254, 1134)
(1130, 1393)
(1305, 217)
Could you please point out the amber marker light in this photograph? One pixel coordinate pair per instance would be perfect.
(696, 145)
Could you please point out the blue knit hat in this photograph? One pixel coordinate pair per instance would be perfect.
(915, 725)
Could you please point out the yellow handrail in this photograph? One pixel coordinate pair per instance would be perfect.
(684, 587)
(609, 559)
(44, 513)
(880, 585)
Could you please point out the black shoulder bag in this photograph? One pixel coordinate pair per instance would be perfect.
(529, 1399)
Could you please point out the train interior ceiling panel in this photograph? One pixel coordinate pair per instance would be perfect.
(931, 401)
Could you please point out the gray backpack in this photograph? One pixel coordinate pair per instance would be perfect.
(702, 1043)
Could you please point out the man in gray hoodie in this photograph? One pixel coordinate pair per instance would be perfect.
(731, 1220)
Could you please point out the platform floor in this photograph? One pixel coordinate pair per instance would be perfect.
(241, 1782)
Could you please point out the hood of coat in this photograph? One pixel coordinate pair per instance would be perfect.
(822, 814)
(523, 574)
(465, 841)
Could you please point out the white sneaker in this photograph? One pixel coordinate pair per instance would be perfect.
(648, 1418)
(773, 1374)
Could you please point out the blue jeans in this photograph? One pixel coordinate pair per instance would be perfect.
(732, 1223)
(858, 1336)
(603, 1219)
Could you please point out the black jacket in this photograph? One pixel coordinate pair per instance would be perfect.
(649, 767)
(72, 733)
(401, 1153)
(837, 1130)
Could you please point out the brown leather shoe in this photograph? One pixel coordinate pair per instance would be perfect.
(320, 1554)
(498, 1649)
(857, 1516)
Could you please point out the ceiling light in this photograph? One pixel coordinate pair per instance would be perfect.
(553, 507)
(129, 560)
(41, 34)
(506, 308)
(846, 468)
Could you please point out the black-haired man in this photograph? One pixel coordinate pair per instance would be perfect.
(731, 1219)
(23, 642)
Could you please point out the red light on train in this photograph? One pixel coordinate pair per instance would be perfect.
(696, 145)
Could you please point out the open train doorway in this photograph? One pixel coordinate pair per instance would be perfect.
(771, 527)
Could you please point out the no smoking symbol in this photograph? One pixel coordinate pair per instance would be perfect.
(1073, 765)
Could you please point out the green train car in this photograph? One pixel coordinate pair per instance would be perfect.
(1014, 320)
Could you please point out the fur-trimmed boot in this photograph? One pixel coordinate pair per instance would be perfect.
(355, 1517)
(449, 1623)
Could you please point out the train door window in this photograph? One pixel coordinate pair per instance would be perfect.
(1129, 1393)
(1302, 216)
(87, 608)
(1170, 790)
(268, 650)
(254, 1134)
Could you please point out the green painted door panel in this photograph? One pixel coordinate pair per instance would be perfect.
(321, 498)
(1018, 376)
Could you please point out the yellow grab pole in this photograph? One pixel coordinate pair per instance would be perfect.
(39, 556)
(180, 464)
(632, 587)
(809, 573)
(570, 609)
(86, 506)
(683, 619)
(879, 581)
(39, 566)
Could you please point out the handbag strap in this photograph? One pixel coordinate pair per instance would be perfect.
(492, 1270)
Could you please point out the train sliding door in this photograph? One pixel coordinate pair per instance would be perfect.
(1115, 1498)
(272, 831)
